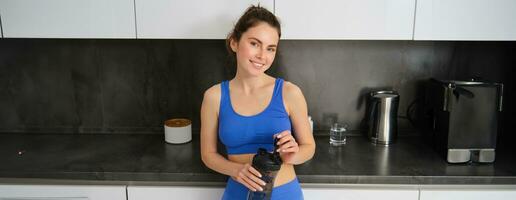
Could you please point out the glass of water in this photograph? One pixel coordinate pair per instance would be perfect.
(338, 134)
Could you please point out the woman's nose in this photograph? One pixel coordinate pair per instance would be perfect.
(259, 54)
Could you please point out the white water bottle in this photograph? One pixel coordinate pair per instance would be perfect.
(311, 123)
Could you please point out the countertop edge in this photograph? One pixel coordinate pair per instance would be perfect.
(305, 180)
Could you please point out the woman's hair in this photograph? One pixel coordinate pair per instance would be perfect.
(251, 17)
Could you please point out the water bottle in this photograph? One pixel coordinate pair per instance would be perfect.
(268, 164)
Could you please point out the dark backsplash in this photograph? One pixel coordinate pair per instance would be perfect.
(132, 86)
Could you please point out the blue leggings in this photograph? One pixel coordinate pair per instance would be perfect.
(291, 191)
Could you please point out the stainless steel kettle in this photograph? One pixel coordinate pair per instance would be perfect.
(383, 117)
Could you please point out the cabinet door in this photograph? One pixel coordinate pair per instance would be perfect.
(193, 19)
(361, 192)
(64, 192)
(465, 20)
(1, 32)
(68, 18)
(471, 192)
(174, 192)
(346, 19)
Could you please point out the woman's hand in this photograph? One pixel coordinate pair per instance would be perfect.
(288, 146)
(249, 177)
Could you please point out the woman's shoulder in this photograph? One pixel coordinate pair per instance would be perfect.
(292, 96)
(291, 90)
(212, 94)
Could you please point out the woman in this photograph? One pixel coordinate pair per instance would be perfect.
(252, 109)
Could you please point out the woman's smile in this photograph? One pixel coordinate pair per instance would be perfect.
(256, 64)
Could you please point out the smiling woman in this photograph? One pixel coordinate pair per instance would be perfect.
(256, 50)
(252, 110)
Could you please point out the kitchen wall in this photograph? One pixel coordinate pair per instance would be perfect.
(132, 86)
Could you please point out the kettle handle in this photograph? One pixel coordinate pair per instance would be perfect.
(372, 114)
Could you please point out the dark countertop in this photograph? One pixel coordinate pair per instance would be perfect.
(133, 158)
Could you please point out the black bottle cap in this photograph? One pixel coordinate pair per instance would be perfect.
(265, 161)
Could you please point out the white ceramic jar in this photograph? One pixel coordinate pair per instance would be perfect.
(178, 131)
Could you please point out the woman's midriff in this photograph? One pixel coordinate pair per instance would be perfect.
(285, 174)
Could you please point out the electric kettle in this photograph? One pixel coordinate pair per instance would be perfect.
(382, 119)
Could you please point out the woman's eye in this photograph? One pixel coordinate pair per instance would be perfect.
(271, 49)
(254, 44)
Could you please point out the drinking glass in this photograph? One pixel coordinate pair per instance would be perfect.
(338, 134)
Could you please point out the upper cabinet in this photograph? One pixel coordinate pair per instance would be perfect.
(68, 18)
(300, 19)
(465, 20)
(193, 19)
(346, 19)
(1, 32)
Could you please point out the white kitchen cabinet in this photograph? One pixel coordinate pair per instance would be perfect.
(465, 20)
(174, 192)
(346, 19)
(193, 19)
(62, 192)
(68, 18)
(468, 192)
(361, 192)
(1, 32)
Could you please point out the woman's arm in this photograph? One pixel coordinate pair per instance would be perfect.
(242, 173)
(301, 148)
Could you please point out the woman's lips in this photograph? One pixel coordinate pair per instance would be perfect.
(257, 65)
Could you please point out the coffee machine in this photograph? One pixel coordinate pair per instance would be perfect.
(462, 118)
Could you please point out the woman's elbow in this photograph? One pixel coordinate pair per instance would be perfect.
(207, 158)
(311, 151)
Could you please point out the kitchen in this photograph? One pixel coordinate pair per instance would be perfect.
(87, 86)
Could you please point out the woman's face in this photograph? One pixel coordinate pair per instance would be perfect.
(256, 49)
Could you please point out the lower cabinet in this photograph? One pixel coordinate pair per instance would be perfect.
(360, 192)
(310, 191)
(468, 192)
(174, 192)
(62, 192)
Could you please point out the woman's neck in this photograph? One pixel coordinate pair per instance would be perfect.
(250, 84)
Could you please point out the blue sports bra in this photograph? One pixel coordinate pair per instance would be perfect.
(245, 134)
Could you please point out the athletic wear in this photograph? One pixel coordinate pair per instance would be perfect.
(288, 191)
(245, 134)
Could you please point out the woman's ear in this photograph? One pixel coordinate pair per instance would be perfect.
(233, 44)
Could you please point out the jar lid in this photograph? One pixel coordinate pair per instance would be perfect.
(180, 122)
